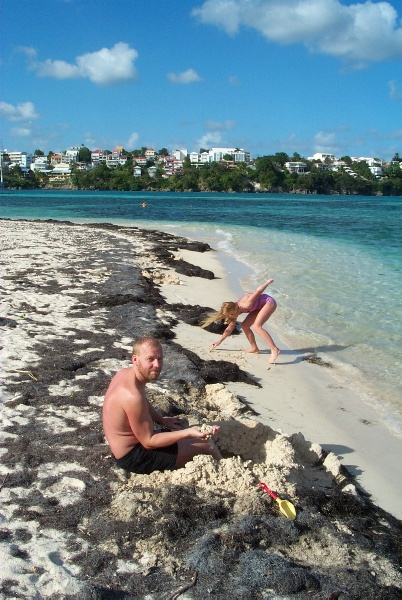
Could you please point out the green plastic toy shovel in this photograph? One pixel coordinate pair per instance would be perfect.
(285, 506)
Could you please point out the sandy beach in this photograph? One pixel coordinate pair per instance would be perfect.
(74, 298)
(299, 394)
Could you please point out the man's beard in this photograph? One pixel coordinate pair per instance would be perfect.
(148, 375)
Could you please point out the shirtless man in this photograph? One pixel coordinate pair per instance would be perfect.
(128, 419)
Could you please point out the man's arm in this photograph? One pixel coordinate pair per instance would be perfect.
(171, 422)
(139, 416)
(155, 416)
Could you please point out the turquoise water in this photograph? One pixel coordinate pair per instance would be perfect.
(336, 261)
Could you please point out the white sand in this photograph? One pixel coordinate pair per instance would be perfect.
(52, 560)
(297, 396)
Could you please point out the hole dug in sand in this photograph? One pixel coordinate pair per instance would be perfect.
(212, 518)
(253, 452)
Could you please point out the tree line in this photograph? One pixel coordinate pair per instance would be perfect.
(265, 174)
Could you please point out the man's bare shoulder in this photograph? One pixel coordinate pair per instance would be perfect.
(122, 388)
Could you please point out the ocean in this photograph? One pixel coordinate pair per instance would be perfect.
(336, 262)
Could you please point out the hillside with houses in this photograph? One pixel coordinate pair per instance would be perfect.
(215, 169)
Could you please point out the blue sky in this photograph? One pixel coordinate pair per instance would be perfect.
(268, 76)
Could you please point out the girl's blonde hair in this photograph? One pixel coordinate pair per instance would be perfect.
(228, 312)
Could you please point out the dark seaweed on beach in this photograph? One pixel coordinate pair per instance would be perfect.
(316, 360)
(208, 543)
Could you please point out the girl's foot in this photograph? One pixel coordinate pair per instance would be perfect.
(274, 356)
(251, 351)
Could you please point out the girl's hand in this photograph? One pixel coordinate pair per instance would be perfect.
(214, 345)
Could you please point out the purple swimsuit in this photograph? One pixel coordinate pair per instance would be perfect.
(261, 300)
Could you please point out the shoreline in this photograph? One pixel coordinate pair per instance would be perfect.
(355, 363)
(309, 399)
(257, 190)
(314, 401)
(74, 298)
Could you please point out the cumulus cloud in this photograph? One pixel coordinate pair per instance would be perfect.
(326, 141)
(395, 91)
(56, 69)
(132, 141)
(212, 138)
(28, 51)
(185, 77)
(21, 131)
(90, 140)
(25, 111)
(108, 66)
(357, 33)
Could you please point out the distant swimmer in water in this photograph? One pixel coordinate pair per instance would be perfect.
(144, 205)
(259, 307)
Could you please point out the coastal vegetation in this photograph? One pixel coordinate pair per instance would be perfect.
(264, 174)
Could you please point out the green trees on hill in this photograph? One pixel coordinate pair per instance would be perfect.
(84, 155)
(266, 174)
(16, 178)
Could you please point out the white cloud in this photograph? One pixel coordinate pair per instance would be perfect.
(25, 111)
(56, 69)
(395, 91)
(185, 77)
(112, 66)
(326, 141)
(213, 138)
(21, 131)
(132, 141)
(90, 140)
(28, 51)
(104, 67)
(357, 33)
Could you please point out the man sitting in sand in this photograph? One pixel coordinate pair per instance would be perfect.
(128, 419)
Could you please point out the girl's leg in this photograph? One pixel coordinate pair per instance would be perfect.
(262, 317)
(189, 448)
(246, 327)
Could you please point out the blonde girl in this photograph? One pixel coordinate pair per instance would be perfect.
(259, 307)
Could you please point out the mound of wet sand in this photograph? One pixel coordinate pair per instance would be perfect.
(75, 297)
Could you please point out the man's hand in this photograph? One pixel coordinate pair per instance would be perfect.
(171, 422)
(203, 433)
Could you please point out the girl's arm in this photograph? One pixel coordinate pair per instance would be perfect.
(248, 300)
(225, 334)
